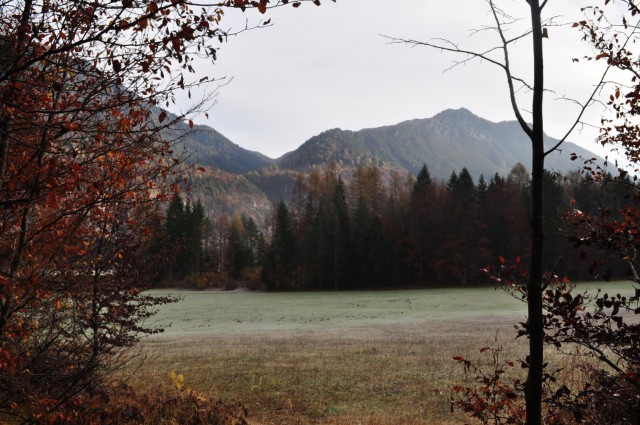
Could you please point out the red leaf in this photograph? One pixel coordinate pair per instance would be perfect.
(190, 124)
(502, 259)
(162, 116)
(176, 44)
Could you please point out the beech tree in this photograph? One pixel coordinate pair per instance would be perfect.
(84, 161)
(609, 331)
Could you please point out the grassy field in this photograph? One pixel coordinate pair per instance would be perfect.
(332, 358)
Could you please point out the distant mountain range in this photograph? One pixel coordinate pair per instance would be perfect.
(446, 142)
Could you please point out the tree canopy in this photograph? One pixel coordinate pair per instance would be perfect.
(84, 162)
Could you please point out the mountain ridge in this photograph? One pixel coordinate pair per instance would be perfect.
(446, 142)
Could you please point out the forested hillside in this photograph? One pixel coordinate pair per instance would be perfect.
(229, 194)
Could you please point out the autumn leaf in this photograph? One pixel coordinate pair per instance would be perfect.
(175, 42)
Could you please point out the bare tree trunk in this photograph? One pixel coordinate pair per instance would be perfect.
(533, 394)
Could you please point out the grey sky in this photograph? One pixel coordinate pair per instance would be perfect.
(324, 67)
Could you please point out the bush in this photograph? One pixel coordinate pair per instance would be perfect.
(120, 404)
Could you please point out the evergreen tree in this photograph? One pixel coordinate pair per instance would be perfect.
(465, 248)
(184, 229)
(505, 213)
(196, 227)
(423, 181)
(281, 259)
(341, 237)
(174, 228)
(360, 240)
(418, 239)
(482, 189)
(557, 246)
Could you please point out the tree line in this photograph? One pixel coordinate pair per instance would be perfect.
(378, 228)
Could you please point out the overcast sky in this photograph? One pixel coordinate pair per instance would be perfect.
(324, 67)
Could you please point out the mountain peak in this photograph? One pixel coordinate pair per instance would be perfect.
(458, 114)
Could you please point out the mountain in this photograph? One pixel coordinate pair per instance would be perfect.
(206, 146)
(242, 181)
(447, 142)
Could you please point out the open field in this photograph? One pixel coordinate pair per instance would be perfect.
(332, 358)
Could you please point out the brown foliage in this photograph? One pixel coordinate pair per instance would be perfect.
(119, 404)
(84, 163)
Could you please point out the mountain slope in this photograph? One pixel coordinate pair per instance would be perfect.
(206, 146)
(229, 194)
(447, 142)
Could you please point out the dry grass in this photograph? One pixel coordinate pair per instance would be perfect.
(389, 374)
(335, 358)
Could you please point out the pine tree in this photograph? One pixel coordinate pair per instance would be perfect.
(342, 237)
(281, 259)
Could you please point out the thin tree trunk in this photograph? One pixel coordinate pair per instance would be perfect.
(533, 395)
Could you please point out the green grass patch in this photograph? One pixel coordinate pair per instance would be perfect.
(220, 312)
(334, 357)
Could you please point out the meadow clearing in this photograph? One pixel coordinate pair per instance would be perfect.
(382, 357)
